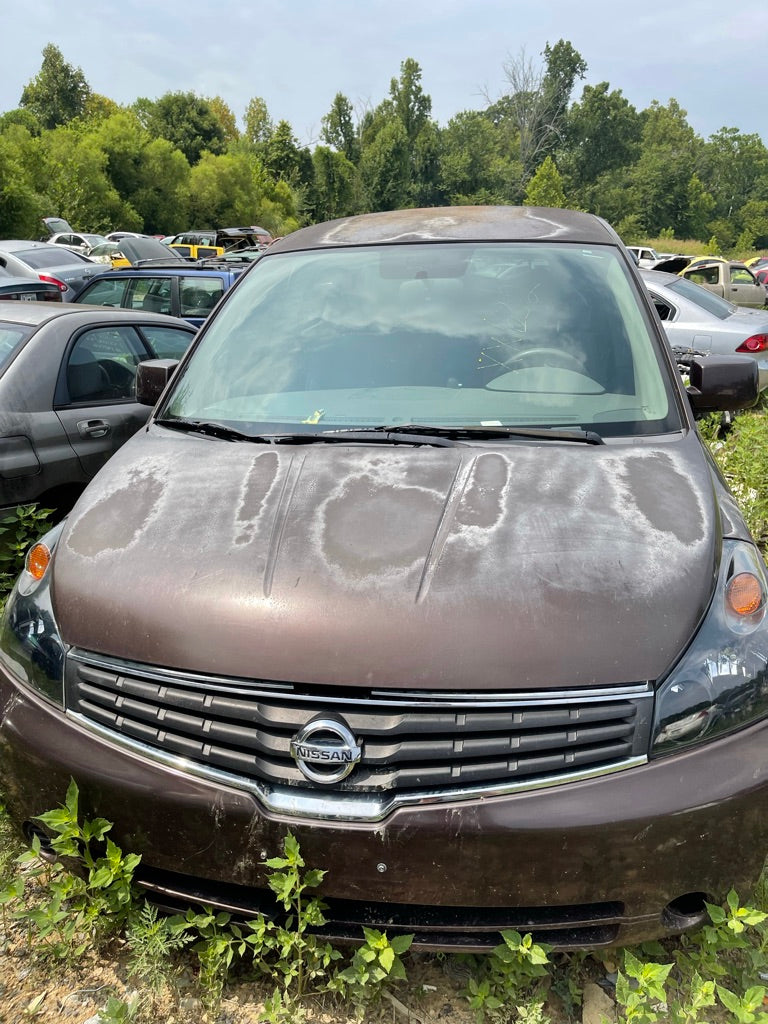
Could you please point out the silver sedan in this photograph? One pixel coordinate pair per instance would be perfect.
(696, 319)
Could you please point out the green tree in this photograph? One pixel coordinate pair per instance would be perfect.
(187, 121)
(235, 188)
(258, 123)
(603, 132)
(59, 93)
(226, 118)
(21, 206)
(545, 188)
(660, 181)
(338, 128)
(385, 168)
(335, 190)
(282, 155)
(536, 104)
(471, 164)
(410, 104)
(735, 169)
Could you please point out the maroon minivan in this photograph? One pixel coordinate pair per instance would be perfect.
(420, 556)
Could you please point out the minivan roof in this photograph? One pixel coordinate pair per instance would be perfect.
(470, 223)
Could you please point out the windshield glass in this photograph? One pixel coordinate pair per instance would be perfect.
(53, 256)
(703, 298)
(458, 334)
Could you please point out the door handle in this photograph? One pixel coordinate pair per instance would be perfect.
(93, 428)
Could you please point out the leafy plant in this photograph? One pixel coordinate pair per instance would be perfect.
(152, 941)
(374, 964)
(508, 972)
(84, 907)
(19, 528)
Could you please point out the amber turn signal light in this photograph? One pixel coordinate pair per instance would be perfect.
(37, 561)
(744, 594)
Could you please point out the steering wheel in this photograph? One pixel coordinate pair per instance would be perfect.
(542, 355)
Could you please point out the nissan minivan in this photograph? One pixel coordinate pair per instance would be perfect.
(420, 557)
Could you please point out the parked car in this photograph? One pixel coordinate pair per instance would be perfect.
(697, 320)
(197, 252)
(66, 393)
(420, 557)
(68, 270)
(27, 289)
(77, 242)
(228, 239)
(109, 253)
(164, 285)
(118, 236)
(729, 279)
(645, 256)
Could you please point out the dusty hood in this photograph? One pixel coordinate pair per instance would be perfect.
(518, 567)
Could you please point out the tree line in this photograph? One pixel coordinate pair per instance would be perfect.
(182, 160)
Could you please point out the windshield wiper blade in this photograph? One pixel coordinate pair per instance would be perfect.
(221, 430)
(389, 436)
(488, 432)
(212, 429)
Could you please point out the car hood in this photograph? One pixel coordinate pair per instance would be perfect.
(519, 566)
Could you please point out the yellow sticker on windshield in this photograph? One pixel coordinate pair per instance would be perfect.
(316, 416)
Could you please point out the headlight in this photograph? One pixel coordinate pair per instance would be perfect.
(721, 682)
(31, 650)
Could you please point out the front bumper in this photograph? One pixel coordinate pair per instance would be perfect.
(589, 863)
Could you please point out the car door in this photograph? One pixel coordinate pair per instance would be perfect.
(94, 393)
(745, 289)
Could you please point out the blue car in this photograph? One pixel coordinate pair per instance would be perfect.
(164, 283)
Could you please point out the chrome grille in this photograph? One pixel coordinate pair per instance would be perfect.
(412, 742)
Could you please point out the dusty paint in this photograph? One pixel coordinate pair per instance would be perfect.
(393, 566)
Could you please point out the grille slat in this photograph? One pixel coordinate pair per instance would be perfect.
(410, 741)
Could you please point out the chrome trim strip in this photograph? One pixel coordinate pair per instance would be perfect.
(292, 802)
(413, 699)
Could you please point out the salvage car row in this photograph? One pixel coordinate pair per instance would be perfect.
(421, 557)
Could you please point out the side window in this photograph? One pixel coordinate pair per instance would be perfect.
(740, 275)
(105, 293)
(665, 311)
(704, 275)
(101, 365)
(167, 342)
(152, 294)
(199, 295)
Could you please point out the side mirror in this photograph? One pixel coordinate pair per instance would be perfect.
(718, 383)
(152, 375)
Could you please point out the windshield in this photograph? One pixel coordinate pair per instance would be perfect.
(457, 334)
(54, 256)
(703, 298)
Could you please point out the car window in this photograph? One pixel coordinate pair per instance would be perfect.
(501, 334)
(199, 295)
(101, 365)
(109, 292)
(704, 275)
(167, 342)
(53, 257)
(11, 340)
(740, 275)
(152, 294)
(712, 303)
(665, 311)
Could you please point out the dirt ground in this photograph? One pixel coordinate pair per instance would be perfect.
(74, 995)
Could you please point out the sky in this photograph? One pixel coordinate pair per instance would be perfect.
(297, 54)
